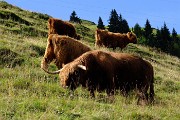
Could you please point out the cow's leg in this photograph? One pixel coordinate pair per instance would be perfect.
(71, 94)
(110, 88)
(91, 87)
(110, 95)
(142, 95)
(92, 93)
(110, 92)
(124, 89)
(91, 90)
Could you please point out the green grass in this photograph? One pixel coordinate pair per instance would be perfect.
(27, 92)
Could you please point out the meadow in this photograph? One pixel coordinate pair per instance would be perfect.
(27, 92)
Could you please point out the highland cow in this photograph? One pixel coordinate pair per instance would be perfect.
(109, 71)
(62, 49)
(60, 27)
(113, 40)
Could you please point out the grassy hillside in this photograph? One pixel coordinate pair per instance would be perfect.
(27, 92)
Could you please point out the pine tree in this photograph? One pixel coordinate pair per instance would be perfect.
(100, 24)
(125, 26)
(174, 35)
(113, 22)
(148, 33)
(120, 24)
(137, 30)
(75, 18)
(158, 39)
(176, 43)
(165, 33)
(166, 39)
(147, 29)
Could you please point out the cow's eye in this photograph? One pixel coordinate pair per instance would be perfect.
(76, 73)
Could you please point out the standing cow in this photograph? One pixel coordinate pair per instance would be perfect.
(62, 49)
(113, 40)
(60, 27)
(109, 71)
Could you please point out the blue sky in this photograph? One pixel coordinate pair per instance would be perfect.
(134, 11)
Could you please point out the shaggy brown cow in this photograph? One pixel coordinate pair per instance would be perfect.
(62, 49)
(113, 40)
(98, 70)
(60, 27)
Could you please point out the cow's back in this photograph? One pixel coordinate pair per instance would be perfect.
(57, 26)
(133, 71)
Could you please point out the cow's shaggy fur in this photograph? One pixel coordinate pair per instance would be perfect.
(57, 26)
(109, 71)
(113, 40)
(62, 49)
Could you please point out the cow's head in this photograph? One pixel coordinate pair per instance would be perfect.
(132, 37)
(72, 76)
(50, 54)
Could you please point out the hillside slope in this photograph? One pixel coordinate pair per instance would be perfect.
(27, 92)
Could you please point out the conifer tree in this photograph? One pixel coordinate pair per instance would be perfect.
(117, 23)
(176, 43)
(120, 24)
(147, 29)
(74, 18)
(113, 22)
(125, 26)
(166, 40)
(100, 24)
(137, 30)
(174, 35)
(158, 39)
(148, 33)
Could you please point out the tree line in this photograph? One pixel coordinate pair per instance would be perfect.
(161, 38)
(158, 38)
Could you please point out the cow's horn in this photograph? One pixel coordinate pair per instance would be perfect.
(54, 72)
(82, 67)
(44, 66)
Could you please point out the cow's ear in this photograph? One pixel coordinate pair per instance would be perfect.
(130, 33)
(82, 67)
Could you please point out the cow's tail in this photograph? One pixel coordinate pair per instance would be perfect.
(151, 91)
(150, 73)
